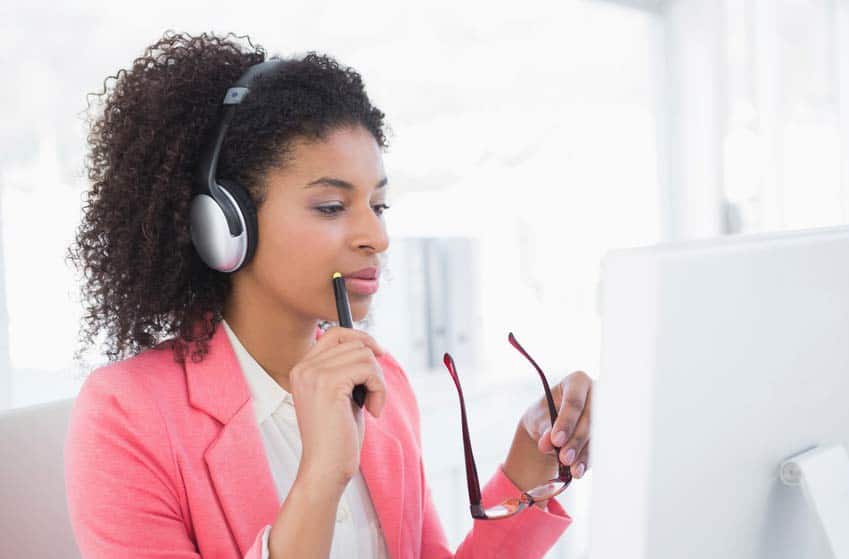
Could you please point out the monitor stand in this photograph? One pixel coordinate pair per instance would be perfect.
(823, 474)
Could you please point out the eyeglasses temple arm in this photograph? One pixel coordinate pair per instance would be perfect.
(565, 471)
(471, 470)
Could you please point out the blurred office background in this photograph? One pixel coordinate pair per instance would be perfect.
(528, 140)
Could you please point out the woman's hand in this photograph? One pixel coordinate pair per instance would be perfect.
(330, 422)
(571, 432)
(332, 429)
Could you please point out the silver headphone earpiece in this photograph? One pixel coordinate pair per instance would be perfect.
(216, 246)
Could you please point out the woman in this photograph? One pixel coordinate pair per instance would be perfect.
(236, 436)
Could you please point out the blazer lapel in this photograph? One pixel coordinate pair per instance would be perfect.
(382, 467)
(236, 459)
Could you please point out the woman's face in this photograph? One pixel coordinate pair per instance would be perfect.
(321, 214)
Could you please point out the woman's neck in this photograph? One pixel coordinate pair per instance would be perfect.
(276, 340)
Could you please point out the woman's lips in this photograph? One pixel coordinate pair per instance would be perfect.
(361, 286)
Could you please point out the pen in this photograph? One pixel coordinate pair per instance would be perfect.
(343, 309)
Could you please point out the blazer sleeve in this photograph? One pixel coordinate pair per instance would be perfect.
(527, 535)
(121, 478)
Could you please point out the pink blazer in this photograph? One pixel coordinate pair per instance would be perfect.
(164, 460)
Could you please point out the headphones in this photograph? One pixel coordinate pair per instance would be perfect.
(222, 215)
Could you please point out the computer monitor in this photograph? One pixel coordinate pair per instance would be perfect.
(720, 359)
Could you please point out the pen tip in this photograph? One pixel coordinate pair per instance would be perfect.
(336, 275)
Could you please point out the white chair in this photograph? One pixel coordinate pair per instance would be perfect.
(33, 511)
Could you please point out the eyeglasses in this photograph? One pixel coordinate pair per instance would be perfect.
(512, 506)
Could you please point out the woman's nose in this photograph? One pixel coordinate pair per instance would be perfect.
(371, 232)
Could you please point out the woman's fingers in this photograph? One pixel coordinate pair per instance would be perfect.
(544, 443)
(582, 462)
(582, 459)
(575, 398)
(339, 335)
(573, 447)
(375, 393)
(334, 352)
(357, 365)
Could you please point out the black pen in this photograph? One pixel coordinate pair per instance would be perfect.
(343, 309)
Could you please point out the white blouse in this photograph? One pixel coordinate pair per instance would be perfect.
(357, 532)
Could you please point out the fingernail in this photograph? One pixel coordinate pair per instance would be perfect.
(579, 471)
(559, 438)
(570, 456)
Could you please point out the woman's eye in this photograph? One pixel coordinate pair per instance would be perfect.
(333, 210)
(380, 208)
(329, 210)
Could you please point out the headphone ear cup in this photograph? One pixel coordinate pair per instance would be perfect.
(248, 210)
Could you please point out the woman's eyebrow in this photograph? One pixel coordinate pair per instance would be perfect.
(339, 183)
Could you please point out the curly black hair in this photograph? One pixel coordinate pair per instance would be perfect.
(142, 279)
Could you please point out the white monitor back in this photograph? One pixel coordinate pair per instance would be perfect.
(720, 359)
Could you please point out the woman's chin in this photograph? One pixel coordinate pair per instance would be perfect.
(358, 316)
(359, 311)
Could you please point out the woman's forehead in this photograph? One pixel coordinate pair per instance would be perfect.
(345, 159)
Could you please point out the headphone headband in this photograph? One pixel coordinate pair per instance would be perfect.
(205, 180)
